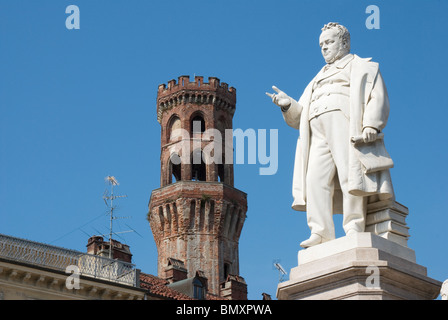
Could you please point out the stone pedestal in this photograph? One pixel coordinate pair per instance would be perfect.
(361, 266)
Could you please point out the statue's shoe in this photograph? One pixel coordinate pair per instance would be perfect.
(312, 241)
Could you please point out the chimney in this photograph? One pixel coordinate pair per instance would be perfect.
(97, 246)
(175, 270)
(234, 288)
(266, 296)
(94, 244)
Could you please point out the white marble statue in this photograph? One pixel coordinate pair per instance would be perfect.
(340, 157)
(444, 290)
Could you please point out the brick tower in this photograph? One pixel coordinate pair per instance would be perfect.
(196, 216)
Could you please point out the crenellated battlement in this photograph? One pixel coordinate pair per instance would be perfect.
(184, 83)
(184, 91)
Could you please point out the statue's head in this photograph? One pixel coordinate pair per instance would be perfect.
(334, 41)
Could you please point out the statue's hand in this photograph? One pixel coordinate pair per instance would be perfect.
(369, 134)
(281, 99)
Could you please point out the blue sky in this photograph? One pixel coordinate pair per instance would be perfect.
(78, 105)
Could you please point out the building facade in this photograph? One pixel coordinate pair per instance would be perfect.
(31, 270)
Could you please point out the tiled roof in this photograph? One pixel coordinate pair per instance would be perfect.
(213, 297)
(158, 286)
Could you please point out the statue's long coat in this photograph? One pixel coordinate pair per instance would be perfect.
(369, 107)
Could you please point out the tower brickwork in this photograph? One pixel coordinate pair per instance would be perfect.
(197, 215)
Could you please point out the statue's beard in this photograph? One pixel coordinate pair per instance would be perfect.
(341, 53)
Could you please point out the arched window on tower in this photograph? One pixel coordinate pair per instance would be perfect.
(198, 167)
(221, 169)
(221, 125)
(197, 124)
(221, 172)
(226, 270)
(175, 168)
(174, 127)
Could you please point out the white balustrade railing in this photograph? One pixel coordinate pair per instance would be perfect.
(57, 258)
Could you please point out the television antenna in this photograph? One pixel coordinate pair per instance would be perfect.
(281, 271)
(109, 198)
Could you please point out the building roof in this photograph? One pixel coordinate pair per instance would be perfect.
(12, 249)
(159, 287)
